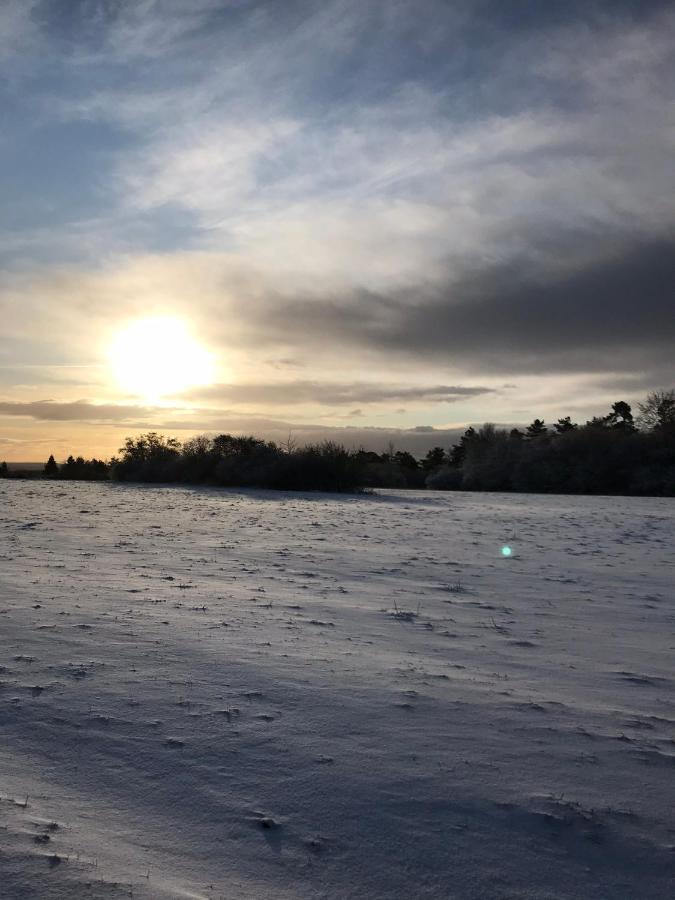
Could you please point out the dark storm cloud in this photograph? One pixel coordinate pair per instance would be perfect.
(300, 391)
(512, 318)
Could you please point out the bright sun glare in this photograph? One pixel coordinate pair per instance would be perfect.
(157, 357)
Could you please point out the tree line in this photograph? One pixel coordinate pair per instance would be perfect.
(226, 460)
(611, 454)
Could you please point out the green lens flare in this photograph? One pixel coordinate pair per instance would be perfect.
(506, 550)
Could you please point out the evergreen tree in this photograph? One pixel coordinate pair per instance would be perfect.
(51, 469)
(457, 453)
(405, 460)
(564, 425)
(536, 430)
(434, 459)
(621, 417)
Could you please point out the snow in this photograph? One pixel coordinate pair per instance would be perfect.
(221, 694)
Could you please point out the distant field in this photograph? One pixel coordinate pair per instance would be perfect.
(240, 694)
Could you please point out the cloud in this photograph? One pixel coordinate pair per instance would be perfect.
(208, 168)
(18, 31)
(135, 419)
(316, 148)
(605, 315)
(153, 29)
(78, 411)
(334, 394)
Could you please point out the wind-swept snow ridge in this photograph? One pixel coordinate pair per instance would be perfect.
(220, 694)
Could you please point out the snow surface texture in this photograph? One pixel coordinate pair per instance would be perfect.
(218, 694)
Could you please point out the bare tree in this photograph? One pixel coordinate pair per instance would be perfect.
(290, 445)
(657, 410)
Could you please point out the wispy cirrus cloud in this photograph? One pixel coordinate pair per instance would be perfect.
(18, 30)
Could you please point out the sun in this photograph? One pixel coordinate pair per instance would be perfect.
(159, 357)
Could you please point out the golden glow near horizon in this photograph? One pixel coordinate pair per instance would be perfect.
(157, 357)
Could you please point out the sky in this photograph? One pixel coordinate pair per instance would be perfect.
(373, 222)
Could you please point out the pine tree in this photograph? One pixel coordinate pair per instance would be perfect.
(621, 417)
(566, 424)
(434, 459)
(536, 430)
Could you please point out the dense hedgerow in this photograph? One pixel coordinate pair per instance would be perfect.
(232, 461)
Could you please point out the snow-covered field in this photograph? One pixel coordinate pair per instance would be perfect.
(217, 694)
